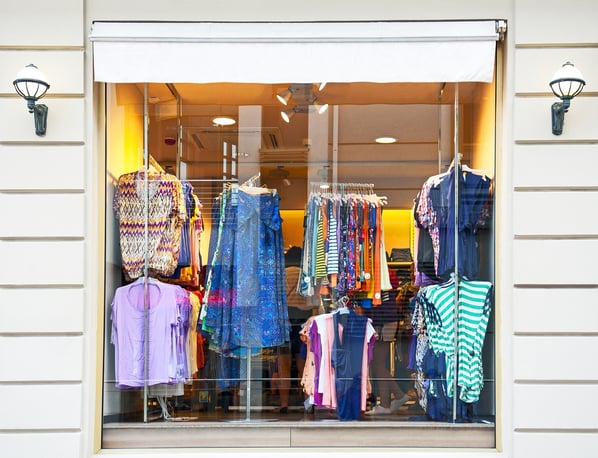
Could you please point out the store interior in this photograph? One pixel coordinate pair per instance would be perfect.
(430, 123)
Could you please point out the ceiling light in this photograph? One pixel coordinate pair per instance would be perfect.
(223, 121)
(386, 140)
(284, 96)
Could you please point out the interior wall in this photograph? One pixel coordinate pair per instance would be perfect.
(484, 139)
(124, 143)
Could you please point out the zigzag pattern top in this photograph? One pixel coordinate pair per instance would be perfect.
(166, 212)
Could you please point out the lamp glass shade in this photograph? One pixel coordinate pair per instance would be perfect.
(567, 82)
(284, 97)
(30, 83)
(320, 108)
(287, 115)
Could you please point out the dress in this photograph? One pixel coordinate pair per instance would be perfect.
(347, 358)
(246, 297)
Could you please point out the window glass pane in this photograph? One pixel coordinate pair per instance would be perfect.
(287, 267)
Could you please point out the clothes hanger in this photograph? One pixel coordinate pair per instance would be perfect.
(342, 306)
(483, 173)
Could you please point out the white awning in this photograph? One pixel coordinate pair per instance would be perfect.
(204, 52)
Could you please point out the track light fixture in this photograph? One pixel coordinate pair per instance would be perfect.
(31, 85)
(566, 83)
(304, 98)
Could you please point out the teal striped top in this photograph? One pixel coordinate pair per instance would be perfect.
(473, 315)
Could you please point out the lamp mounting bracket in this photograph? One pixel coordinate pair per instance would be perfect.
(302, 93)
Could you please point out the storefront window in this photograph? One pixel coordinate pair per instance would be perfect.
(287, 270)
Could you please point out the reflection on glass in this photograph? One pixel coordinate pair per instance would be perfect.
(311, 270)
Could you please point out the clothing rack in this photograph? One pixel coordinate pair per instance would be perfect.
(342, 188)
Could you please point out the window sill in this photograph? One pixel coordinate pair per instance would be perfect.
(295, 434)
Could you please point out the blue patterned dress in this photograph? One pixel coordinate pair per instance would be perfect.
(246, 300)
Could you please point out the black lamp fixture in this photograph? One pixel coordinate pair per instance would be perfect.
(566, 83)
(31, 85)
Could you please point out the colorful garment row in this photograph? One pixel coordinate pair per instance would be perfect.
(245, 302)
(434, 215)
(343, 246)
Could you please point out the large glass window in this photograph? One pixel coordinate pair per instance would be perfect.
(293, 267)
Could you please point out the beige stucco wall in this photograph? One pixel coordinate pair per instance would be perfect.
(51, 201)
(555, 236)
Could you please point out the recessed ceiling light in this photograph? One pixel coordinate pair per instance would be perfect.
(386, 140)
(223, 121)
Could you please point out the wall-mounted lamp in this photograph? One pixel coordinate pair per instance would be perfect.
(566, 83)
(31, 85)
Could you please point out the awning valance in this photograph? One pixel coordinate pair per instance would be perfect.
(204, 52)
